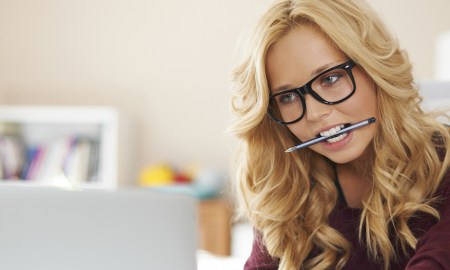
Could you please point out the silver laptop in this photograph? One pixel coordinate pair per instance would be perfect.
(51, 229)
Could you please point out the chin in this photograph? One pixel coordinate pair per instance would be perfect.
(344, 157)
(341, 160)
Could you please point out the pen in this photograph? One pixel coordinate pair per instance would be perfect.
(320, 139)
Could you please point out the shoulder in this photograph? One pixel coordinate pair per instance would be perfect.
(259, 258)
(443, 191)
(443, 196)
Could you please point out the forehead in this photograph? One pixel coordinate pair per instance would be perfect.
(299, 55)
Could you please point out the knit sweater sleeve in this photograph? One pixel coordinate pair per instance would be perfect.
(433, 248)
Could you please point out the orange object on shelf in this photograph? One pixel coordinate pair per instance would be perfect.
(214, 216)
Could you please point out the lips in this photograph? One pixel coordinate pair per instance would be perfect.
(332, 134)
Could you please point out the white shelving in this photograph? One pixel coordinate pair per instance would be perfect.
(50, 125)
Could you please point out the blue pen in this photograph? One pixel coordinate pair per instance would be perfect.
(342, 131)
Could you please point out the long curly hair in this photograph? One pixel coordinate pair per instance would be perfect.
(289, 197)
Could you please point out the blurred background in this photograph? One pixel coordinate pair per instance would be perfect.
(161, 70)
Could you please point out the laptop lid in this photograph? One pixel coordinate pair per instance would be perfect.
(52, 229)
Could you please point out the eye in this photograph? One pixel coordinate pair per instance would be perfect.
(330, 79)
(287, 98)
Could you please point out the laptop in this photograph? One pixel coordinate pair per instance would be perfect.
(54, 229)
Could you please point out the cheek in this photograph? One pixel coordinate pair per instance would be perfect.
(364, 101)
(299, 130)
(365, 91)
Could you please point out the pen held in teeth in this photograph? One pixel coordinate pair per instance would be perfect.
(341, 132)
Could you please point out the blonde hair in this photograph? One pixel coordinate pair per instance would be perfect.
(289, 197)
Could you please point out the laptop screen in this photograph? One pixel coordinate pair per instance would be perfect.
(43, 228)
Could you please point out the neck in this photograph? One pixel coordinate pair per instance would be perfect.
(355, 179)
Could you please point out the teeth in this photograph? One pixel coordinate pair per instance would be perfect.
(331, 131)
(338, 138)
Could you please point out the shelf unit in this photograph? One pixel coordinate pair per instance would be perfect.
(44, 125)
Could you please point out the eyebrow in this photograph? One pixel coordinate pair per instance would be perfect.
(323, 68)
(314, 73)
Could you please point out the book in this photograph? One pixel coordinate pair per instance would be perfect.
(12, 152)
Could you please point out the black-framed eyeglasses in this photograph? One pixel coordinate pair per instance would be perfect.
(331, 86)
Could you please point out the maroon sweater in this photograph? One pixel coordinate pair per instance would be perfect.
(432, 251)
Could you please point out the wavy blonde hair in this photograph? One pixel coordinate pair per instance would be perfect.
(289, 197)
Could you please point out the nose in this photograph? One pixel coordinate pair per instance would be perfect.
(315, 110)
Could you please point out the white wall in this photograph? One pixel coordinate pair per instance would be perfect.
(164, 64)
(442, 63)
(417, 24)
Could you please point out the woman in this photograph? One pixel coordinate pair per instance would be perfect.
(374, 197)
